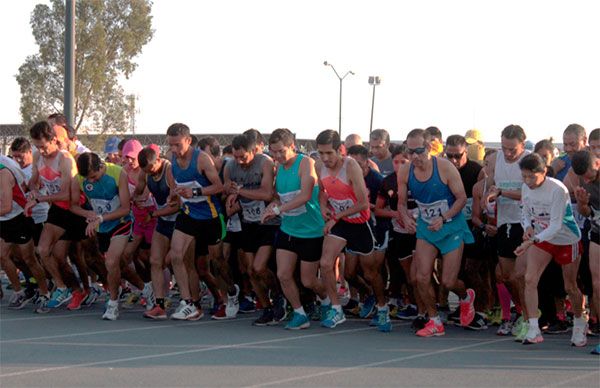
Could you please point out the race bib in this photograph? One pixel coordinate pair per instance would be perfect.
(170, 217)
(429, 211)
(468, 209)
(579, 219)
(340, 205)
(289, 196)
(252, 210)
(192, 185)
(103, 206)
(52, 186)
(234, 224)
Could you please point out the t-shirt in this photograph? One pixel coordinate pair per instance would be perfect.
(468, 174)
(389, 192)
(386, 166)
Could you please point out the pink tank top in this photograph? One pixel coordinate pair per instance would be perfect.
(341, 195)
(50, 176)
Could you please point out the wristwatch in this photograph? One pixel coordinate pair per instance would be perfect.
(446, 220)
(276, 210)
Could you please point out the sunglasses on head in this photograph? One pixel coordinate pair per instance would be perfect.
(454, 156)
(417, 151)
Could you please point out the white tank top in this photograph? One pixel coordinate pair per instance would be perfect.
(508, 177)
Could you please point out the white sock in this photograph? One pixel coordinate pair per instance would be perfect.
(437, 320)
(384, 307)
(325, 301)
(113, 302)
(300, 310)
(579, 322)
(337, 307)
(533, 323)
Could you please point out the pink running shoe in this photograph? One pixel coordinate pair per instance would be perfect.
(467, 309)
(77, 299)
(156, 313)
(432, 329)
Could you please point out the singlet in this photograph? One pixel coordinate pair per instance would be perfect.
(50, 176)
(433, 197)
(148, 201)
(508, 177)
(18, 196)
(305, 221)
(160, 190)
(39, 213)
(250, 177)
(205, 207)
(103, 195)
(340, 194)
(594, 203)
(563, 173)
(541, 204)
(468, 174)
(386, 166)
(389, 191)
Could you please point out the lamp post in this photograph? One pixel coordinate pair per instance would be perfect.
(341, 79)
(373, 80)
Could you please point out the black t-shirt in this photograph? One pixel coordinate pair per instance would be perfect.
(468, 174)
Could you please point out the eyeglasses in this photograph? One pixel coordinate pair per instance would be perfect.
(418, 151)
(454, 156)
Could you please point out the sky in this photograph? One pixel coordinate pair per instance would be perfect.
(226, 66)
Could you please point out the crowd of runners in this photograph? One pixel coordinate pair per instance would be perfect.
(382, 232)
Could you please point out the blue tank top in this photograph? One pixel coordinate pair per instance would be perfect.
(433, 197)
(563, 173)
(160, 190)
(200, 208)
(304, 221)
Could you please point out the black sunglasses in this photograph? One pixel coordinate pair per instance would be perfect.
(454, 156)
(417, 151)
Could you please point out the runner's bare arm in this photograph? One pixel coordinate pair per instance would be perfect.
(141, 184)
(34, 182)
(207, 166)
(7, 181)
(75, 206)
(407, 220)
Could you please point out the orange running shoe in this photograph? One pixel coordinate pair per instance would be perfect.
(432, 329)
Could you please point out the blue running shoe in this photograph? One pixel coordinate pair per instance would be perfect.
(408, 313)
(374, 321)
(368, 307)
(324, 311)
(59, 297)
(384, 323)
(596, 350)
(247, 305)
(334, 318)
(299, 321)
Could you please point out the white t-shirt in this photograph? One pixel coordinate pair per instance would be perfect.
(548, 210)
(508, 177)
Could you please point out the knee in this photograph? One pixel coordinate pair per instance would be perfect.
(44, 252)
(176, 257)
(112, 262)
(448, 283)
(422, 279)
(308, 282)
(156, 261)
(284, 277)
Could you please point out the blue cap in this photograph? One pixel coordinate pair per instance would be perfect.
(112, 145)
(529, 145)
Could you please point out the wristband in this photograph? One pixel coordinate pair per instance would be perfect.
(499, 192)
(276, 210)
(37, 200)
(197, 192)
(101, 218)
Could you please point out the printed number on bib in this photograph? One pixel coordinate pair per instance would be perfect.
(429, 211)
(252, 210)
(289, 196)
(340, 205)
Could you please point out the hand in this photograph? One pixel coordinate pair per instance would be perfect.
(521, 249)
(492, 194)
(184, 192)
(326, 213)
(29, 207)
(328, 226)
(231, 188)
(409, 224)
(231, 200)
(147, 218)
(491, 230)
(173, 199)
(90, 230)
(268, 213)
(436, 224)
(33, 194)
(528, 234)
(582, 196)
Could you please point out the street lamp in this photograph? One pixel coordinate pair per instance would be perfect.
(373, 80)
(341, 79)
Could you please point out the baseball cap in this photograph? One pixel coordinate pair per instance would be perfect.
(132, 148)
(155, 148)
(112, 145)
(473, 136)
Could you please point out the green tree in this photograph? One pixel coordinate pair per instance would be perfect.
(109, 35)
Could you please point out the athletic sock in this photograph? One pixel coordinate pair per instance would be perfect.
(504, 297)
(300, 310)
(160, 302)
(533, 323)
(337, 307)
(325, 301)
(437, 320)
(197, 304)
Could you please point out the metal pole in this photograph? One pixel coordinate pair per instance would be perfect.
(340, 116)
(69, 91)
(372, 109)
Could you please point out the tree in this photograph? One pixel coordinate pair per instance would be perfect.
(109, 34)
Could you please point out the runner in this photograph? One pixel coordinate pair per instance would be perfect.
(345, 207)
(586, 164)
(438, 191)
(550, 233)
(105, 187)
(301, 233)
(379, 144)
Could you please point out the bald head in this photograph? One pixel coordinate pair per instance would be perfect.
(352, 140)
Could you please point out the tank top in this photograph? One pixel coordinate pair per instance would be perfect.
(205, 207)
(433, 197)
(51, 178)
(160, 190)
(18, 196)
(341, 195)
(508, 177)
(103, 195)
(305, 221)
(250, 177)
(563, 173)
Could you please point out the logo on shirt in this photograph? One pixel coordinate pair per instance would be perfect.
(89, 187)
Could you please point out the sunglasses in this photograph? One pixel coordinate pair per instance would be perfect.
(418, 151)
(454, 156)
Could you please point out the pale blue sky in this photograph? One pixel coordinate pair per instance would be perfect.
(230, 65)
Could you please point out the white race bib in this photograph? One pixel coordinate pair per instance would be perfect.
(287, 197)
(52, 186)
(429, 211)
(192, 185)
(468, 209)
(104, 206)
(170, 217)
(340, 205)
(234, 224)
(252, 210)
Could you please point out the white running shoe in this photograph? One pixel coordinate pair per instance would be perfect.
(186, 312)
(233, 304)
(579, 336)
(148, 294)
(112, 311)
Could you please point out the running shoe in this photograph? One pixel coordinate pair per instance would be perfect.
(313, 312)
(247, 305)
(220, 313)
(505, 328)
(77, 299)
(93, 295)
(419, 322)
(467, 309)
(368, 307)
(408, 313)
(557, 327)
(384, 323)
(148, 296)
(478, 323)
(267, 318)
(431, 329)
(279, 308)
(112, 311)
(186, 312)
(18, 300)
(31, 292)
(454, 317)
(351, 308)
(233, 305)
(443, 312)
(130, 301)
(323, 310)
(156, 313)
(517, 326)
(596, 350)
(299, 321)
(42, 305)
(579, 336)
(334, 317)
(59, 297)
(533, 336)
(393, 310)
(522, 332)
